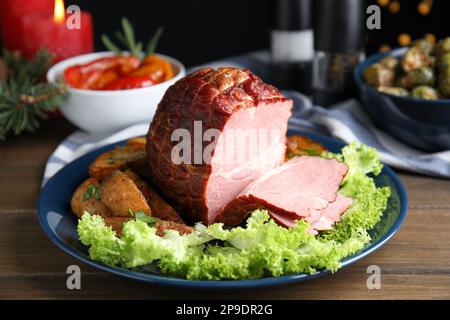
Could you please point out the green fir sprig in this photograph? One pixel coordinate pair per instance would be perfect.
(24, 99)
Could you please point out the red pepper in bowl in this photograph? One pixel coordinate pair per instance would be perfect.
(130, 82)
(98, 73)
(155, 67)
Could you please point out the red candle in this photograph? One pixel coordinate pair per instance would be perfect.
(11, 13)
(55, 34)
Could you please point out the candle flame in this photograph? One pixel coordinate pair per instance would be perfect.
(59, 13)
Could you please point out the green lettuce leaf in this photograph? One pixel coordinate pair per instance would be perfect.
(104, 245)
(361, 158)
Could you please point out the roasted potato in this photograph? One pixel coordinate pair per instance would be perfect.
(131, 156)
(297, 145)
(121, 195)
(160, 208)
(139, 182)
(94, 206)
(116, 224)
(84, 199)
(162, 226)
(138, 141)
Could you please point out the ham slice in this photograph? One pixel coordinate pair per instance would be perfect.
(332, 213)
(304, 187)
(320, 220)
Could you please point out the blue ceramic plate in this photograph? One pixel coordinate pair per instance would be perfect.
(60, 224)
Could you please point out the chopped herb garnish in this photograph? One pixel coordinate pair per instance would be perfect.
(91, 192)
(86, 196)
(141, 216)
(312, 152)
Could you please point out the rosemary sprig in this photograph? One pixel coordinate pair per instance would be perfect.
(153, 43)
(127, 40)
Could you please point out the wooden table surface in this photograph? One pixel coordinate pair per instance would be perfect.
(415, 263)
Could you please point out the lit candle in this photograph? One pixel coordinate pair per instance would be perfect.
(12, 12)
(53, 33)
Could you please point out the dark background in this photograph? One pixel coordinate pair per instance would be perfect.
(197, 31)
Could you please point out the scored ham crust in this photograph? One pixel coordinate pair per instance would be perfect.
(225, 99)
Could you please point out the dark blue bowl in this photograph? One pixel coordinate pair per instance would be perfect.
(59, 224)
(423, 124)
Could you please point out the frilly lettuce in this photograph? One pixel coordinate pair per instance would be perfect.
(260, 248)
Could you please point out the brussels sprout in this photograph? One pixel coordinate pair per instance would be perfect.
(415, 58)
(396, 91)
(389, 62)
(425, 92)
(417, 77)
(444, 82)
(425, 44)
(378, 75)
(443, 62)
(443, 47)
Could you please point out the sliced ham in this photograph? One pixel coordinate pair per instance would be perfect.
(332, 213)
(303, 187)
(319, 220)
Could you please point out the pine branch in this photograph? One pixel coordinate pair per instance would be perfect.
(24, 101)
(22, 69)
(23, 105)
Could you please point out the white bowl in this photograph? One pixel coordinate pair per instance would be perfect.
(108, 111)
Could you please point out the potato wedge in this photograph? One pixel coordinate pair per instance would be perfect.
(139, 182)
(116, 223)
(131, 156)
(160, 208)
(138, 141)
(77, 197)
(94, 206)
(120, 194)
(80, 203)
(162, 226)
(297, 145)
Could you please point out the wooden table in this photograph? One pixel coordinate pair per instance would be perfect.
(415, 264)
